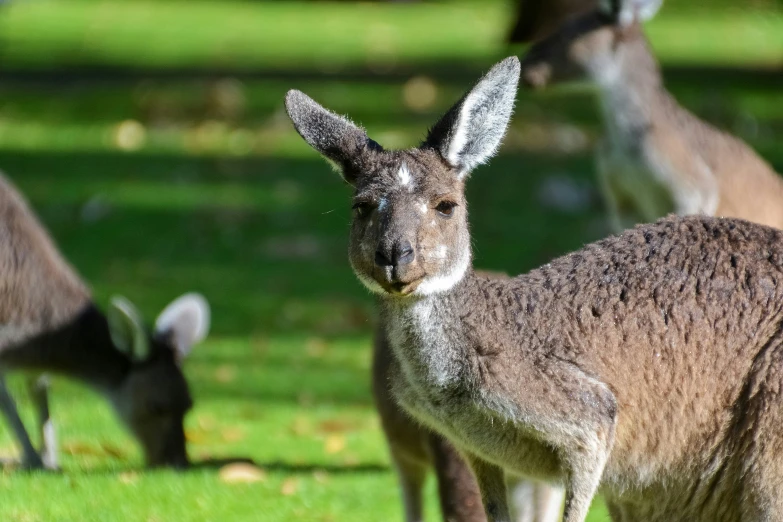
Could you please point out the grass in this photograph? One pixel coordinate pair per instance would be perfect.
(153, 187)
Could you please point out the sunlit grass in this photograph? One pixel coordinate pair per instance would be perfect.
(333, 36)
(156, 187)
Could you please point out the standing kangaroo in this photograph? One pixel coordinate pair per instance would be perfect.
(657, 157)
(49, 323)
(415, 450)
(648, 364)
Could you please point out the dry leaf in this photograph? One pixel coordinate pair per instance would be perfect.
(334, 426)
(241, 473)
(289, 487)
(321, 476)
(234, 434)
(128, 477)
(112, 450)
(225, 373)
(81, 448)
(334, 444)
(316, 347)
(195, 436)
(300, 426)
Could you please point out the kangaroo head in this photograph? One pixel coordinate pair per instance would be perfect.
(587, 47)
(409, 232)
(153, 398)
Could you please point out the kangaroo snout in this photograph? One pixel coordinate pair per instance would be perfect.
(398, 253)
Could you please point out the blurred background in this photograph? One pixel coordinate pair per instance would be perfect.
(151, 139)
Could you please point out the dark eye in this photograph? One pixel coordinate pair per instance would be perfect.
(446, 208)
(363, 208)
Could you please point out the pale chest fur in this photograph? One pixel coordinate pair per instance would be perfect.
(426, 344)
(643, 164)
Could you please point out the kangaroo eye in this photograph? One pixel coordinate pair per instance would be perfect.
(363, 208)
(445, 208)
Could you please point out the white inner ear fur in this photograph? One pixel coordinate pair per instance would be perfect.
(482, 120)
(187, 319)
(127, 329)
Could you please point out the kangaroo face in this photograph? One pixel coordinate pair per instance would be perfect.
(154, 401)
(154, 398)
(409, 232)
(586, 47)
(409, 227)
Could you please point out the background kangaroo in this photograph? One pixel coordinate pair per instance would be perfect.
(49, 323)
(657, 157)
(648, 364)
(537, 19)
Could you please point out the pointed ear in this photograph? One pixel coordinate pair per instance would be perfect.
(185, 322)
(628, 12)
(335, 137)
(471, 132)
(127, 329)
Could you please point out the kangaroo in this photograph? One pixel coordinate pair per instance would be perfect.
(657, 157)
(415, 450)
(648, 364)
(50, 324)
(537, 19)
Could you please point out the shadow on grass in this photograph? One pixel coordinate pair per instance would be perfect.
(286, 467)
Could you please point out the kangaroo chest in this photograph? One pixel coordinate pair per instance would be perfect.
(432, 361)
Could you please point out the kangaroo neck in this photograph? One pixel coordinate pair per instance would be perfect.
(630, 88)
(81, 349)
(428, 334)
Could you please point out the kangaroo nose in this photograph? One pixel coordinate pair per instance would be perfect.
(401, 254)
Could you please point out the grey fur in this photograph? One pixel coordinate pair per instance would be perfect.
(647, 365)
(471, 131)
(49, 324)
(336, 137)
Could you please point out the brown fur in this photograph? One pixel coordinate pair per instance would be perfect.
(537, 19)
(48, 323)
(657, 157)
(647, 365)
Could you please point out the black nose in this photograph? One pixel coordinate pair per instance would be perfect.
(400, 254)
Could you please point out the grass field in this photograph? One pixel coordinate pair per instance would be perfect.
(157, 175)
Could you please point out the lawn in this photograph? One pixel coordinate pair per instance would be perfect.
(151, 140)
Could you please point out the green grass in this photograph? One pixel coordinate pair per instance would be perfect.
(155, 187)
(333, 36)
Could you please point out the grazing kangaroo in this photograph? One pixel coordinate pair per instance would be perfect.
(657, 157)
(49, 323)
(648, 364)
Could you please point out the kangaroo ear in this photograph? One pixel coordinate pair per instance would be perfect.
(628, 12)
(127, 329)
(185, 322)
(471, 132)
(335, 137)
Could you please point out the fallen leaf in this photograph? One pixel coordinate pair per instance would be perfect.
(81, 448)
(225, 373)
(321, 476)
(128, 477)
(289, 487)
(316, 347)
(114, 451)
(234, 434)
(241, 473)
(335, 426)
(300, 426)
(334, 444)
